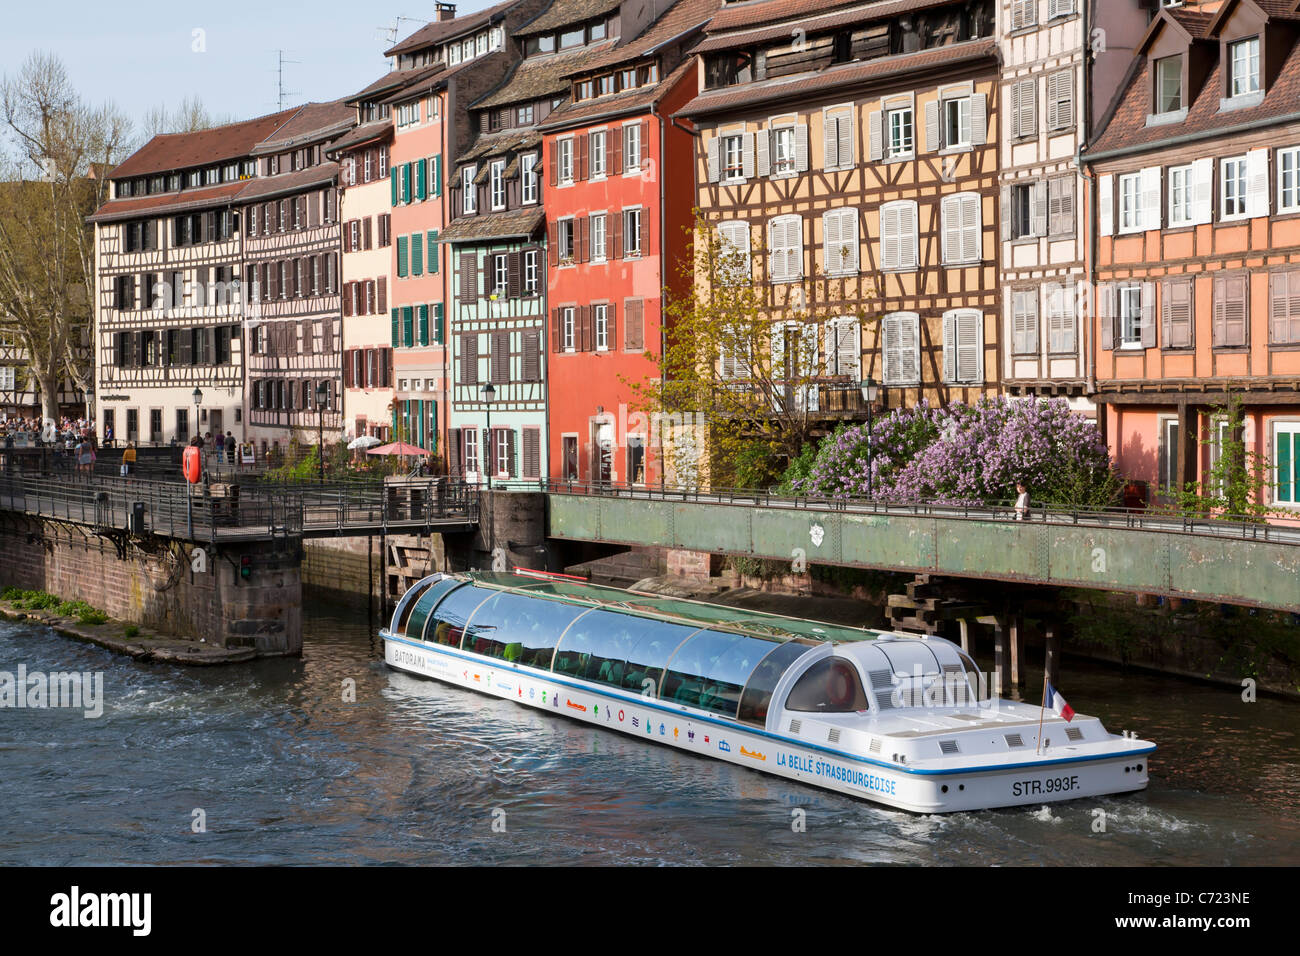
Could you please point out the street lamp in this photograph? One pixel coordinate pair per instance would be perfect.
(198, 400)
(870, 392)
(322, 396)
(489, 393)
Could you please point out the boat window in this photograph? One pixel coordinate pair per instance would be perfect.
(522, 630)
(709, 670)
(619, 650)
(407, 605)
(757, 696)
(449, 618)
(831, 686)
(423, 606)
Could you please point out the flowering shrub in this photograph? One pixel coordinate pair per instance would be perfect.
(969, 454)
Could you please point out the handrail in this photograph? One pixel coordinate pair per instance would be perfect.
(1283, 529)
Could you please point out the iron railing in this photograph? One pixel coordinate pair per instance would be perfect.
(1282, 529)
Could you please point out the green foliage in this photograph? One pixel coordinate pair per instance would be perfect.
(130, 631)
(1233, 485)
(44, 601)
(798, 469)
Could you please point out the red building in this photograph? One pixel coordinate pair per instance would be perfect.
(616, 237)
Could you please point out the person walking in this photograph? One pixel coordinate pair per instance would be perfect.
(1022, 501)
(85, 457)
(128, 460)
(230, 448)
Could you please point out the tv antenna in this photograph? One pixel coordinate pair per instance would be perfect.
(390, 33)
(279, 72)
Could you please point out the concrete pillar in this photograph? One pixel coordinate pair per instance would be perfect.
(1017, 651)
(263, 610)
(1001, 656)
(1053, 658)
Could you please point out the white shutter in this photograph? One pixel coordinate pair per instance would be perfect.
(808, 359)
(794, 245)
(1150, 185)
(714, 173)
(764, 150)
(972, 228)
(889, 228)
(950, 346)
(830, 140)
(844, 348)
(970, 354)
(874, 138)
(747, 155)
(844, 126)
(889, 357)
(932, 126)
(776, 256)
(801, 148)
(1106, 204)
(950, 216)
(1027, 111)
(1257, 182)
(1038, 213)
(831, 242)
(979, 119)
(1202, 191)
(849, 235)
(910, 341)
(908, 235)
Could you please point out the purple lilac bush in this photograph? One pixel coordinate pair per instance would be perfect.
(969, 454)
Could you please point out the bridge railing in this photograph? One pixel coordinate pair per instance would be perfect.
(201, 513)
(1280, 528)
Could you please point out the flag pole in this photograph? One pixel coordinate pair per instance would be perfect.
(1041, 710)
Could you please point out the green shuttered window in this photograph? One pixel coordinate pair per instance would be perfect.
(397, 340)
(408, 332)
(402, 243)
(433, 252)
(421, 177)
(439, 336)
(424, 325)
(417, 254)
(392, 176)
(437, 175)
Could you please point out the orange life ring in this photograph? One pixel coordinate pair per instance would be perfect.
(191, 465)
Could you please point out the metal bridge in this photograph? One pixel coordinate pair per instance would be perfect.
(1247, 562)
(232, 513)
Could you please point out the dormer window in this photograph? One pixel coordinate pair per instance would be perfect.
(1169, 84)
(1243, 58)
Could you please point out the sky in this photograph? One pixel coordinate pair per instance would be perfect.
(146, 53)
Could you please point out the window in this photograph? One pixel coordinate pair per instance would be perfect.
(632, 146)
(1243, 58)
(499, 184)
(500, 274)
(572, 38)
(530, 272)
(898, 235)
(734, 263)
(962, 229)
(597, 229)
(600, 314)
(632, 225)
(837, 138)
(1180, 196)
(524, 115)
(1230, 310)
(844, 348)
(1177, 317)
(1130, 203)
(471, 450)
(1232, 195)
(1024, 13)
(956, 123)
(1060, 206)
(840, 241)
(1060, 100)
(1288, 180)
(605, 85)
(528, 177)
(733, 158)
(785, 242)
(781, 143)
(564, 160)
(1130, 315)
(1286, 464)
(900, 352)
(1024, 109)
(1060, 319)
(899, 124)
(567, 333)
(1168, 455)
(1169, 84)
(469, 197)
(566, 240)
(1284, 308)
(1024, 321)
(598, 154)
(963, 346)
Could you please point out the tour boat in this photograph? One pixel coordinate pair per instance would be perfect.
(893, 718)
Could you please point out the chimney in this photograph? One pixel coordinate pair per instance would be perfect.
(446, 11)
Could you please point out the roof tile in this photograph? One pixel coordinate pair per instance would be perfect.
(512, 224)
(168, 151)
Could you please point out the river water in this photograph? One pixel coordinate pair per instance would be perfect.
(280, 769)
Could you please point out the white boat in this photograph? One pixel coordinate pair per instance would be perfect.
(892, 718)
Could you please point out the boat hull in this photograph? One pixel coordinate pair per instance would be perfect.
(917, 790)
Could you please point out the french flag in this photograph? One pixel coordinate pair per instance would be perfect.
(1058, 704)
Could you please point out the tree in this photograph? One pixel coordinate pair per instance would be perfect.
(189, 116)
(52, 176)
(1234, 483)
(737, 392)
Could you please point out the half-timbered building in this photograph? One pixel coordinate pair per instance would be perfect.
(851, 151)
(1197, 179)
(1062, 63)
(168, 261)
(617, 235)
(294, 366)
